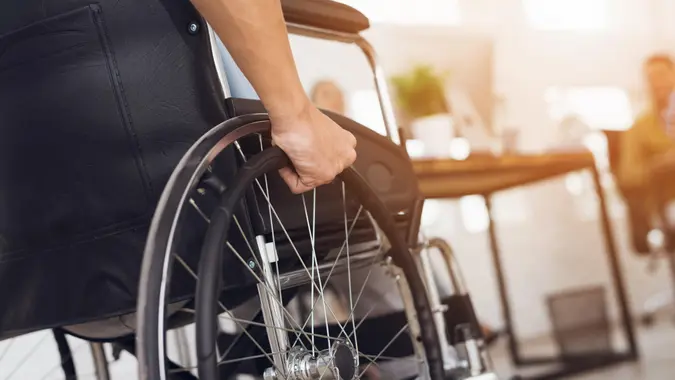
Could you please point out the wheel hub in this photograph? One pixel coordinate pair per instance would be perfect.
(338, 363)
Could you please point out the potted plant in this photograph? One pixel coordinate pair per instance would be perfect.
(420, 98)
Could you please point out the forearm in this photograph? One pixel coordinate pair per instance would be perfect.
(255, 34)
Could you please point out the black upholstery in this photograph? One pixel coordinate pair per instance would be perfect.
(325, 14)
(98, 102)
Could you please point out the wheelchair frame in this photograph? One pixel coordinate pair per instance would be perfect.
(381, 86)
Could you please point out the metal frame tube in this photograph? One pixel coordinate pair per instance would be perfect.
(444, 248)
(413, 324)
(381, 85)
(437, 308)
(217, 57)
(272, 311)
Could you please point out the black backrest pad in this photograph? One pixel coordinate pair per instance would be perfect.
(98, 102)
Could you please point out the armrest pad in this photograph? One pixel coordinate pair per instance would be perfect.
(325, 14)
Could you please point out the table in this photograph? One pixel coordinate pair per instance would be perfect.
(448, 179)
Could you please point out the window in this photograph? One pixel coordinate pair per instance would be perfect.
(567, 14)
(364, 107)
(408, 12)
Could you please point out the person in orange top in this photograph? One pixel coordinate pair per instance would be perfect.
(648, 147)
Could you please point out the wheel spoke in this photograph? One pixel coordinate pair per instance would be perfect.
(265, 325)
(274, 241)
(315, 264)
(187, 267)
(349, 270)
(24, 359)
(68, 357)
(6, 350)
(337, 258)
(372, 361)
(278, 302)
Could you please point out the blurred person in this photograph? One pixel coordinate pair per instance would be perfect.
(649, 145)
(328, 96)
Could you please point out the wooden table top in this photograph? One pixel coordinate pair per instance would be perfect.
(446, 178)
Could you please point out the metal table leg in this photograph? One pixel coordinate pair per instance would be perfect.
(615, 268)
(568, 367)
(501, 283)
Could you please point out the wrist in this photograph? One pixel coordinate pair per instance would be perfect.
(289, 108)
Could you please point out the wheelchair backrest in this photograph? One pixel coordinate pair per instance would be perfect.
(98, 102)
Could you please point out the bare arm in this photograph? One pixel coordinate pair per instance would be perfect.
(255, 34)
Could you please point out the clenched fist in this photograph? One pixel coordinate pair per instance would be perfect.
(318, 148)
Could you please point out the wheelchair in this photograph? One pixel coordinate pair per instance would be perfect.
(154, 221)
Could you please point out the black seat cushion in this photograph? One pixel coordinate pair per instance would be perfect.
(325, 14)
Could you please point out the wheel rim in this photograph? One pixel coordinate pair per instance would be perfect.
(51, 354)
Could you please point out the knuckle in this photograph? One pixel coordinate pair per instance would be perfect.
(353, 140)
(352, 156)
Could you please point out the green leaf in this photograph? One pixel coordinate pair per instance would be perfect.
(421, 91)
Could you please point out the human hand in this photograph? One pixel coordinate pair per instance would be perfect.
(318, 148)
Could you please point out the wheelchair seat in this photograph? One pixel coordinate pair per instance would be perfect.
(325, 14)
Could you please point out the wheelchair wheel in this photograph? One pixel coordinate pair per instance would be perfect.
(36, 356)
(257, 245)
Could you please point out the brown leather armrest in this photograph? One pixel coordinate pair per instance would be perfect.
(325, 14)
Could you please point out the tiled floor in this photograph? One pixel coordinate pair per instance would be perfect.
(657, 346)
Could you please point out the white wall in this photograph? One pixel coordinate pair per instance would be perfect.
(558, 246)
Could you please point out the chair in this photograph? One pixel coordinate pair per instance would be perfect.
(641, 225)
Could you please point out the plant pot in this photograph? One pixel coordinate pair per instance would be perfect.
(435, 132)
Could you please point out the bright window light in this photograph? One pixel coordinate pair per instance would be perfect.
(460, 149)
(567, 14)
(415, 148)
(364, 108)
(474, 213)
(574, 182)
(408, 12)
(598, 107)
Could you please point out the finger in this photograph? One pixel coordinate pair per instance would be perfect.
(351, 157)
(293, 181)
(351, 139)
(346, 161)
